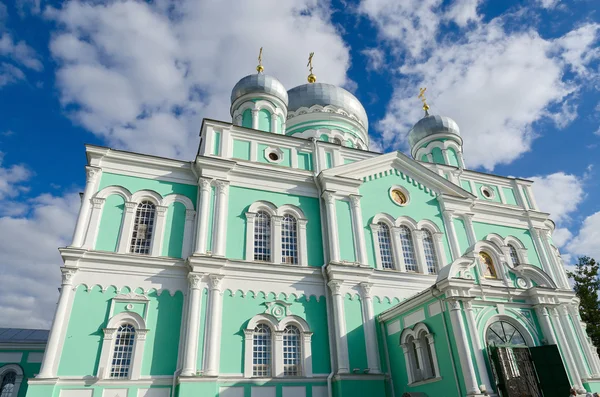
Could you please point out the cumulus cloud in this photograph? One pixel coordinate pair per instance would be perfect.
(141, 76)
(560, 206)
(11, 180)
(20, 52)
(586, 241)
(463, 11)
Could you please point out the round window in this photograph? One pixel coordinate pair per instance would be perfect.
(273, 156)
(487, 192)
(399, 196)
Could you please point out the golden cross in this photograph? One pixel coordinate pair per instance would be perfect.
(422, 98)
(260, 68)
(309, 64)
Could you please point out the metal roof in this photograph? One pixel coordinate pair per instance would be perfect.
(21, 335)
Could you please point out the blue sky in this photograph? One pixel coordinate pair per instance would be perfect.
(521, 78)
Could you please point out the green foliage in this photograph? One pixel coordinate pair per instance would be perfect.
(586, 287)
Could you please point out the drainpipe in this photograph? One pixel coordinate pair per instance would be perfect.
(175, 375)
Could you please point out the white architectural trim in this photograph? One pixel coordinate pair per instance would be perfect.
(215, 314)
(479, 346)
(204, 193)
(332, 227)
(370, 328)
(220, 230)
(427, 369)
(193, 325)
(92, 179)
(568, 357)
(5, 369)
(341, 338)
(358, 230)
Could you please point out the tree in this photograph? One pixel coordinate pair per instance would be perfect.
(587, 284)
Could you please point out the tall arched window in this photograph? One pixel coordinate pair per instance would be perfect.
(291, 351)
(489, 270)
(429, 249)
(513, 255)
(262, 237)
(503, 333)
(261, 351)
(289, 240)
(141, 239)
(408, 249)
(7, 384)
(385, 245)
(123, 351)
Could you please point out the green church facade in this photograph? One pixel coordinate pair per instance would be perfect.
(287, 260)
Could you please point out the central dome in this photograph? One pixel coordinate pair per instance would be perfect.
(430, 125)
(259, 83)
(324, 94)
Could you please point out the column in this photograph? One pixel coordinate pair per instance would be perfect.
(277, 357)
(582, 336)
(468, 219)
(332, 228)
(539, 247)
(203, 215)
(255, 119)
(563, 314)
(126, 227)
(91, 186)
(191, 337)
(559, 271)
(419, 250)
(483, 372)
(462, 345)
(220, 233)
(188, 231)
(358, 229)
(159, 230)
(96, 212)
(409, 368)
(451, 233)
(369, 327)
(461, 160)
(274, 123)
(276, 239)
(544, 319)
(531, 197)
(445, 156)
(302, 243)
(339, 320)
(566, 351)
(397, 248)
(59, 324)
(213, 346)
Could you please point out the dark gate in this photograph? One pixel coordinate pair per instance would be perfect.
(514, 372)
(553, 378)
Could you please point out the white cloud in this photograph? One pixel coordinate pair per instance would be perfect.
(558, 194)
(578, 48)
(548, 3)
(10, 74)
(20, 52)
(561, 236)
(586, 241)
(25, 7)
(375, 57)
(463, 11)
(142, 76)
(11, 180)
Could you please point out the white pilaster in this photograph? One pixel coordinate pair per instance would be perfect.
(559, 271)
(332, 227)
(358, 230)
(438, 239)
(276, 239)
(531, 197)
(451, 233)
(188, 231)
(369, 327)
(468, 221)
(563, 314)
(127, 227)
(213, 347)
(582, 336)
(59, 325)
(303, 244)
(202, 218)
(341, 340)
(190, 352)
(462, 345)
(397, 248)
(220, 233)
(461, 160)
(544, 320)
(91, 186)
(255, 119)
(431, 343)
(159, 230)
(479, 348)
(277, 361)
(250, 219)
(307, 354)
(95, 214)
(274, 123)
(445, 156)
(419, 235)
(539, 247)
(566, 351)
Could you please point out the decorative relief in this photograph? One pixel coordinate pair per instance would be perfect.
(97, 202)
(67, 276)
(130, 206)
(129, 306)
(204, 183)
(221, 185)
(366, 289)
(131, 296)
(278, 309)
(141, 333)
(355, 200)
(329, 197)
(215, 281)
(194, 280)
(189, 215)
(454, 304)
(522, 283)
(91, 173)
(335, 286)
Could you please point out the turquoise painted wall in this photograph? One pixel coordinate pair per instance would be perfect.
(216, 149)
(346, 238)
(264, 120)
(247, 118)
(238, 312)
(54, 391)
(240, 200)
(110, 223)
(241, 149)
(29, 369)
(286, 154)
(174, 228)
(483, 229)
(355, 333)
(452, 157)
(328, 160)
(438, 157)
(461, 235)
(509, 196)
(376, 199)
(133, 184)
(496, 197)
(466, 185)
(305, 161)
(379, 306)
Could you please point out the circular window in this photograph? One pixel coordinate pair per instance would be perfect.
(487, 192)
(399, 195)
(273, 156)
(503, 333)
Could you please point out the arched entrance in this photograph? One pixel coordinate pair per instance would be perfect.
(511, 362)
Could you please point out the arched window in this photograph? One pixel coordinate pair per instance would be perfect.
(503, 333)
(123, 351)
(489, 270)
(419, 353)
(262, 237)
(141, 239)
(337, 141)
(291, 351)
(7, 384)
(408, 249)
(261, 351)
(513, 255)
(429, 249)
(289, 240)
(385, 245)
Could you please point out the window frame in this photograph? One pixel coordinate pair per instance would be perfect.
(8, 368)
(423, 366)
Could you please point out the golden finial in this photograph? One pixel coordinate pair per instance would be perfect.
(260, 68)
(311, 77)
(422, 98)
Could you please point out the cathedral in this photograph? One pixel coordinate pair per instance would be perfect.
(288, 260)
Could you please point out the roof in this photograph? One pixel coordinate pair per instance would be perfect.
(21, 335)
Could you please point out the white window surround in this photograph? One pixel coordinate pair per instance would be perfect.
(131, 203)
(499, 259)
(255, 107)
(277, 151)
(276, 214)
(277, 331)
(108, 344)
(403, 190)
(418, 340)
(491, 193)
(4, 370)
(503, 243)
(416, 229)
(444, 146)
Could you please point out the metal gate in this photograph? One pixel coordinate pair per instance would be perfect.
(514, 371)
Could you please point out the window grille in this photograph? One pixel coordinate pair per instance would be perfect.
(408, 249)
(385, 246)
(143, 228)
(513, 255)
(430, 257)
(261, 351)
(123, 351)
(289, 240)
(291, 351)
(262, 237)
(8, 384)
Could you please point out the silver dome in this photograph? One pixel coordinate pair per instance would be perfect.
(323, 94)
(430, 125)
(259, 83)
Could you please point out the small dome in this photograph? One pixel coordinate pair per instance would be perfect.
(430, 125)
(323, 94)
(259, 84)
